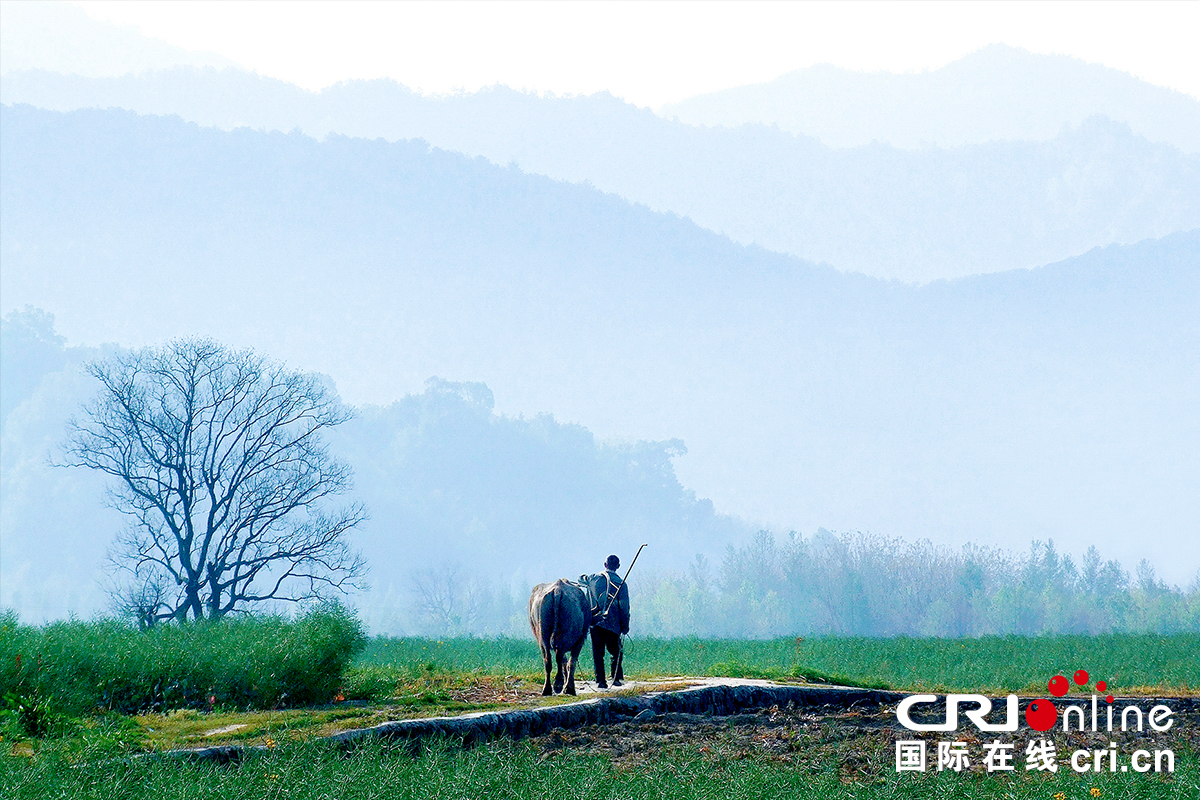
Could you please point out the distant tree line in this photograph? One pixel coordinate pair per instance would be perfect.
(866, 585)
(850, 584)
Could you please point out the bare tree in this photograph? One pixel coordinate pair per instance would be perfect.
(218, 457)
(446, 600)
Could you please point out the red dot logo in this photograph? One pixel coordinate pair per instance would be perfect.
(1059, 686)
(1108, 699)
(1081, 677)
(1101, 686)
(1041, 715)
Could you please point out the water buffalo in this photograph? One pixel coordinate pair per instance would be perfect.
(560, 615)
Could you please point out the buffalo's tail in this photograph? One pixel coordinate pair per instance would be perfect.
(551, 630)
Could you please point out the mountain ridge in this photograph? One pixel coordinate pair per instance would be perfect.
(914, 215)
(63, 38)
(997, 92)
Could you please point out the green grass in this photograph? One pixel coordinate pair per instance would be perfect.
(96, 754)
(500, 656)
(75, 667)
(523, 770)
(72, 670)
(1000, 664)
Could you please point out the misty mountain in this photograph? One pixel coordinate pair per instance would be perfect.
(54, 526)
(1055, 402)
(998, 92)
(62, 38)
(915, 215)
(448, 480)
(29, 350)
(503, 503)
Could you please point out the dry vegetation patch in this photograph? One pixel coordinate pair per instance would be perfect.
(859, 741)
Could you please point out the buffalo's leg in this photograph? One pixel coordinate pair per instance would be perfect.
(571, 676)
(558, 676)
(546, 662)
(572, 664)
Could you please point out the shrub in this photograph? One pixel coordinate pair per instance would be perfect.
(246, 662)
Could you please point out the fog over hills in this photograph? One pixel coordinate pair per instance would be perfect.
(1055, 402)
(999, 92)
(62, 38)
(996, 93)
(915, 215)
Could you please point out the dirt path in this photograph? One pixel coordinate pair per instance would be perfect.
(586, 688)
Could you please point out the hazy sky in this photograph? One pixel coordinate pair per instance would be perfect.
(651, 53)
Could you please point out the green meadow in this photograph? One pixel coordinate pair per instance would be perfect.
(703, 769)
(1127, 662)
(87, 705)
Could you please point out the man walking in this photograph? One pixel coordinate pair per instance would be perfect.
(610, 620)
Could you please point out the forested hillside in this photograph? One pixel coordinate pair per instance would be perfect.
(912, 214)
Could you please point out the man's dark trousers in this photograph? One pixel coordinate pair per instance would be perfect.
(602, 639)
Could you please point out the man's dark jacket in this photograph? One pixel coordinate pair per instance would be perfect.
(602, 589)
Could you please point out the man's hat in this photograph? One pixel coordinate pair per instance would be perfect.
(612, 562)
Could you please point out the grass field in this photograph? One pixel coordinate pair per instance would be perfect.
(1129, 663)
(704, 768)
(106, 754)
(75, 667)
